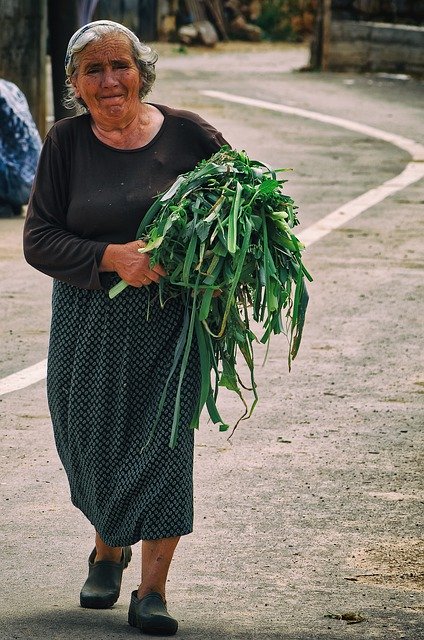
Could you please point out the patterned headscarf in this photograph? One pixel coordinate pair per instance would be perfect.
(71, 46)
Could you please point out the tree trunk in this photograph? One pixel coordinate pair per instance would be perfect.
(23, 37)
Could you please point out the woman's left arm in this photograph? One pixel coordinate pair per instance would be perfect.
(48, 244)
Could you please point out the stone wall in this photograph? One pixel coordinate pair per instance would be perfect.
(373, 46)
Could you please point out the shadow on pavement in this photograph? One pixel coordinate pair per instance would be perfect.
(81, 624)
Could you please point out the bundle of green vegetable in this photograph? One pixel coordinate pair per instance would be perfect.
(223, 233)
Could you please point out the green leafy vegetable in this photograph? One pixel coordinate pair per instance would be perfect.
(223, 233)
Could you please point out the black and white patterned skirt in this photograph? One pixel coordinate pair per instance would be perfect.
(108, 364)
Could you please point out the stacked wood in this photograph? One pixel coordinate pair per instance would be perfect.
(239, 27)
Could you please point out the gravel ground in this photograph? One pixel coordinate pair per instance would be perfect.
(314, 508)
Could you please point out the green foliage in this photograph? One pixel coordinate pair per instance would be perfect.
(223, 233)
(275, 19)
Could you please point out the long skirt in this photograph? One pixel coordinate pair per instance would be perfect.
(108, 365)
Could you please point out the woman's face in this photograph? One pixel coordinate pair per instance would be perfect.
(108, 80)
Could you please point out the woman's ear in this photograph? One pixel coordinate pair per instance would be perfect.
(74, 82)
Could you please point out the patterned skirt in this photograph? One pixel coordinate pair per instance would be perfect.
(108, 364)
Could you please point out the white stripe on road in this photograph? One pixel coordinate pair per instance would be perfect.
(415, 149)
(413, 172)
(24, 378)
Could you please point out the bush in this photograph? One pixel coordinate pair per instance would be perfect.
(286, 19)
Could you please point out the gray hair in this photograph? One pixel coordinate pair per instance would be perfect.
(144, 57)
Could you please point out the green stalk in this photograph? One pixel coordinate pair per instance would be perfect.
(177, 356)
(205, 371)
(184, 362)
(234, 284)
(232, 223)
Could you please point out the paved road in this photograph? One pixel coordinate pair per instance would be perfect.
(314, 508)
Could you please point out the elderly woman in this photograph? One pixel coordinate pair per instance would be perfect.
(109, 359)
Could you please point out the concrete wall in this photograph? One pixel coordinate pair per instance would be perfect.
(373, 46)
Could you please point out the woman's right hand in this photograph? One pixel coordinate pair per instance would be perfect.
(130, 265)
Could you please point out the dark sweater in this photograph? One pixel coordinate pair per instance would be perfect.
(87, 194)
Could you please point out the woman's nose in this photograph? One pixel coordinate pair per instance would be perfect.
(109, 77)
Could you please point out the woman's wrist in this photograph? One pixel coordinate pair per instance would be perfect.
(108, 260)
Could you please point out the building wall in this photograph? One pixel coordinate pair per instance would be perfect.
(371, 46)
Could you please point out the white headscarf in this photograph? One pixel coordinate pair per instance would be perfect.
(74, 39)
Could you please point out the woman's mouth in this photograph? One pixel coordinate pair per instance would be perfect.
(111, 98)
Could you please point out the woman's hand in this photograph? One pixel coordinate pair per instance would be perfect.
(130, 265)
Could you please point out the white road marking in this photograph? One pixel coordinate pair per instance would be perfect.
(413, 172)
(415, 149)
(23, 378)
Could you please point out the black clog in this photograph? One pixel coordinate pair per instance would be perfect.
(102, 588)
(150, 615)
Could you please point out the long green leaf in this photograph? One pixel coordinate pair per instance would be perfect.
(184, 362)
(232, 223)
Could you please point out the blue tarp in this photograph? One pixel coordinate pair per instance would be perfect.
(20, 145)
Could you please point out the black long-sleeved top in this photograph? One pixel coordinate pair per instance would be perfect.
(87, 194)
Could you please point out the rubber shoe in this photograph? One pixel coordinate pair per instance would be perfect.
(150, 615)
(102, 588)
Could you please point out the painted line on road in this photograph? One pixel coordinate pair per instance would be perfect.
(415, 149)
(413, 172)
(23, 378)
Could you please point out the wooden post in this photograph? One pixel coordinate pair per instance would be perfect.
(23, 37)
(148, 20)
(326, 28)
(63, 22)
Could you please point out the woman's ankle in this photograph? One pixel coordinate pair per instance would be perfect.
(110, 554)
(106, 553)
(143, 591)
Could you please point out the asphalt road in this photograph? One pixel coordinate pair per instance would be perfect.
(315, 507)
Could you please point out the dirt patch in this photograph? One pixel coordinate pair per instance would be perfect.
(394, 564)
